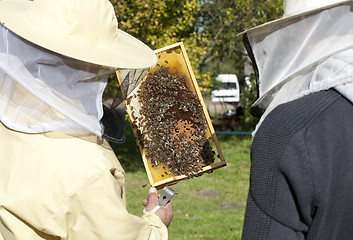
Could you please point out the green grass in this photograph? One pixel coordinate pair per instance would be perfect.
(207, 207)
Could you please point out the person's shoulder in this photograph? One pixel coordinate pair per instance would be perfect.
(291, 117)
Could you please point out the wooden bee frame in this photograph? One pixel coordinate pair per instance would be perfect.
(175, 58)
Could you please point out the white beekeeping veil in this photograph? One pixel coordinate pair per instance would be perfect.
(307, 54)
(41, 91)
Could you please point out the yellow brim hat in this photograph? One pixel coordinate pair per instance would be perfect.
(85, 30)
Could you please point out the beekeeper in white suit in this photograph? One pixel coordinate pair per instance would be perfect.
(59, 179)
(301, 156)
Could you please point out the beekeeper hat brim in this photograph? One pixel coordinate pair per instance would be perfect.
(293, 9)
(85, 30)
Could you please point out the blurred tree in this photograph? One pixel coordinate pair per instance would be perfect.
(157, 23)
(208, 29)
(219, 21)
(160, 23)
(248, 97)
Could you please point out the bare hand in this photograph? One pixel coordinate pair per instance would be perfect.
(165, 213)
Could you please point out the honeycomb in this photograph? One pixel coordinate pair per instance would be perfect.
(169, 122)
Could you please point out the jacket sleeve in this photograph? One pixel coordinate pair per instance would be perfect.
(280, 199)
(97, 211)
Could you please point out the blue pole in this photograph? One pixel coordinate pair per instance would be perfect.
(233, 133)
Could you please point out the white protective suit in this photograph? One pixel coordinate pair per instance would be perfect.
(56, 186)
(58, 178)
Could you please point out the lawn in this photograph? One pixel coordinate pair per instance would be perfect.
(207, 207)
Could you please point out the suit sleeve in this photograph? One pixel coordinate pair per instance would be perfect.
(280, 199)
(97, 211)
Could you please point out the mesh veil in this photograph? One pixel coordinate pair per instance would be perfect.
(315, 52)
(304, 55)
(41, 91)
(114, 106)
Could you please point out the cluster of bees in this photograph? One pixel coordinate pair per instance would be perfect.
(171, 125)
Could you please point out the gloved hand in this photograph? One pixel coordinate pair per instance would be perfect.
(165, 213)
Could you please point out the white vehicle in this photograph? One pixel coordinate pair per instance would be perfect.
(229, 92)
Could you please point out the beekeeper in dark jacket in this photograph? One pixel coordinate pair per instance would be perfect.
(302, 153)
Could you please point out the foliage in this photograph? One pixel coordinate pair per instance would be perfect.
(208, 29)
(160, 23)
(220, 21)
(248, 97)
(157, 23)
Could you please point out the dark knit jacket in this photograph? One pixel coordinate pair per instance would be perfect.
(301, 180)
